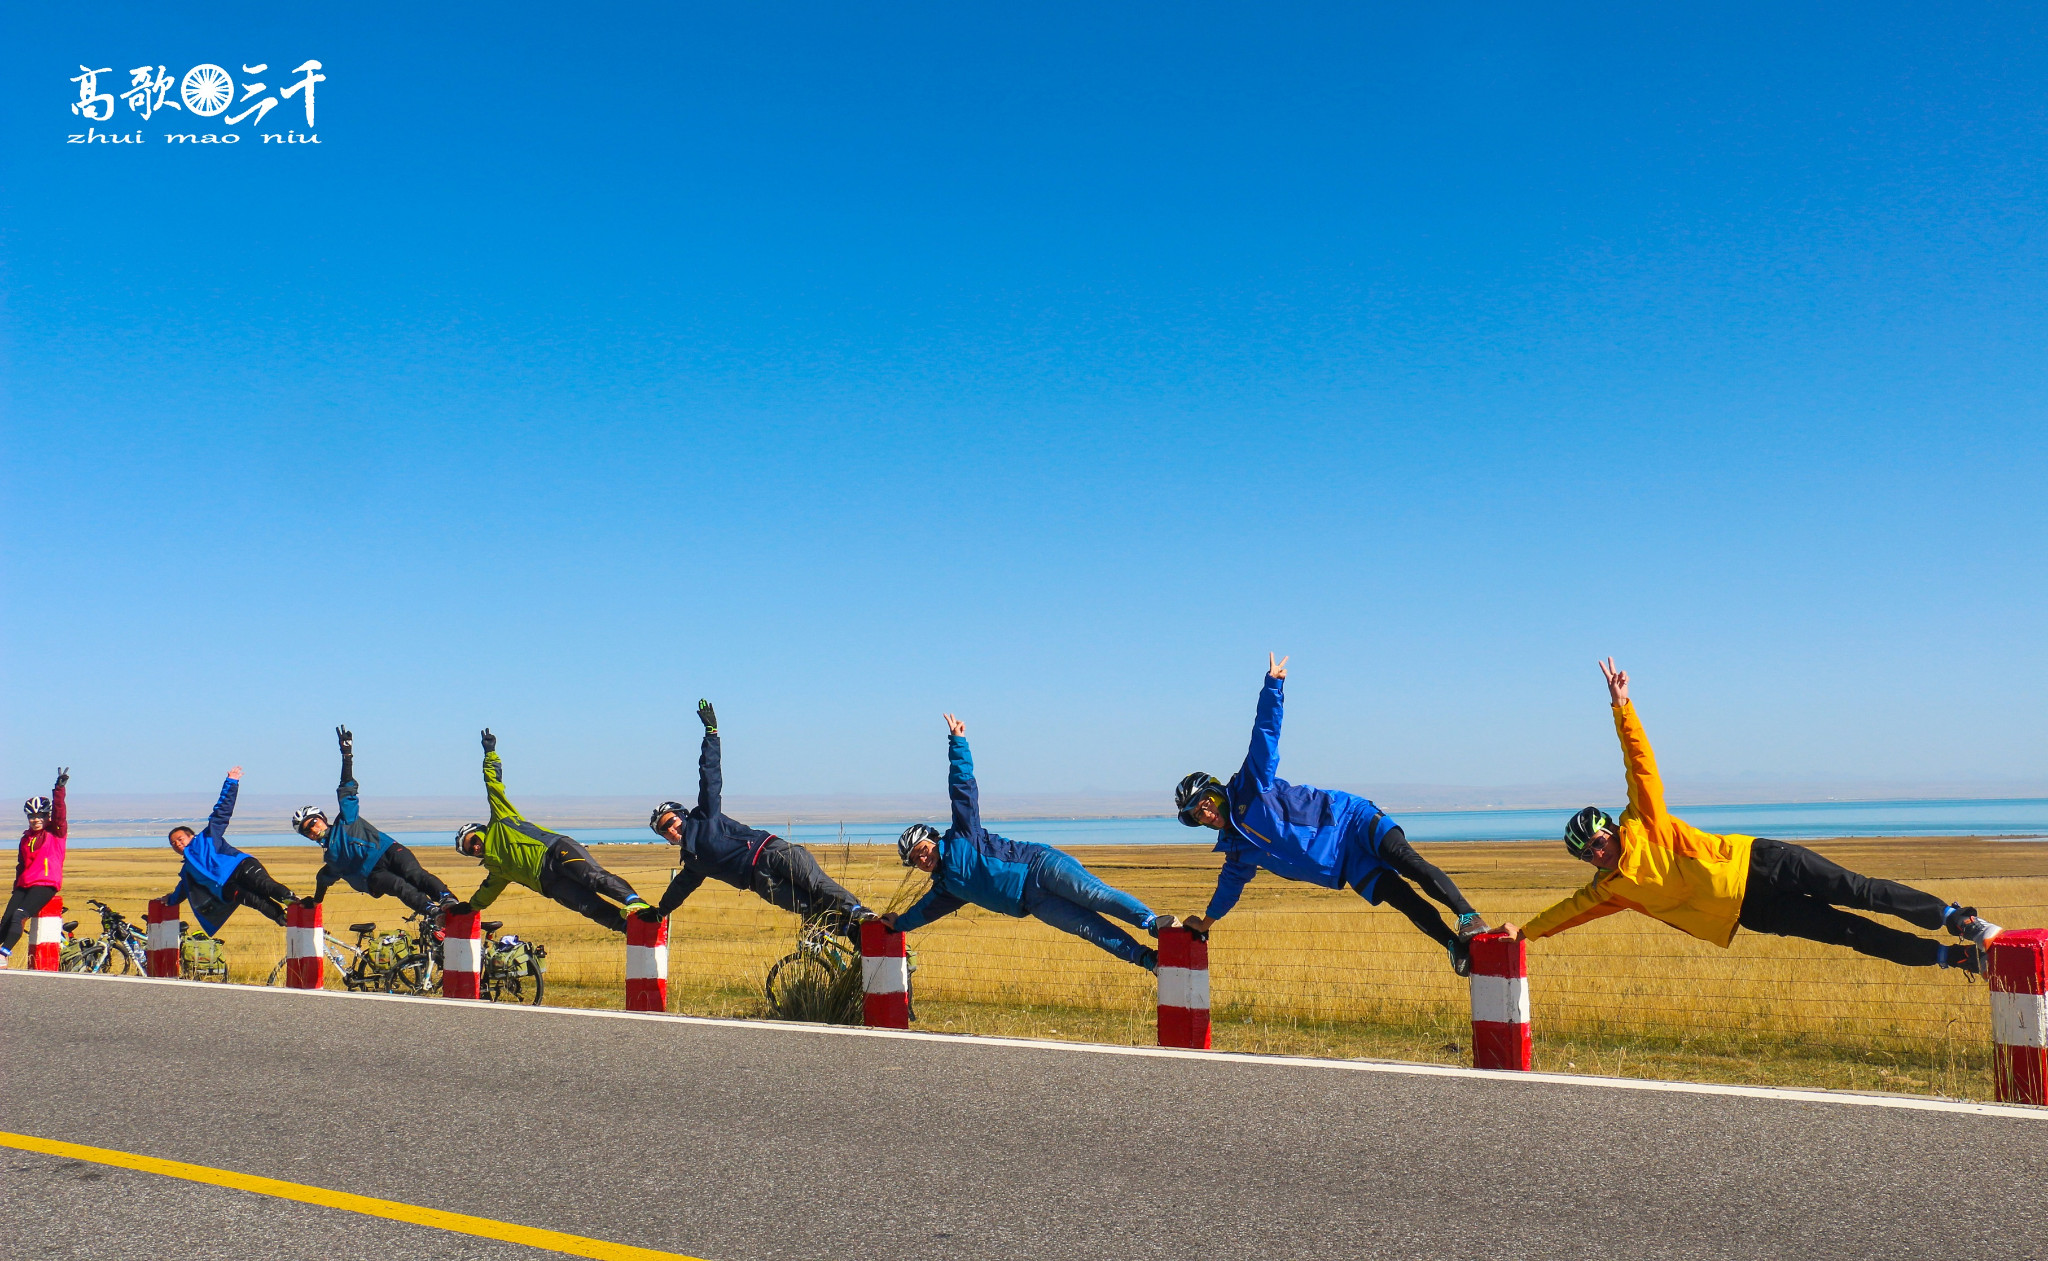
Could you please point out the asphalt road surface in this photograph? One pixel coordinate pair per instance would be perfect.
(733, 1143)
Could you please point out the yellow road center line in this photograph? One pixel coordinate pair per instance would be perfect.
(461, 1223)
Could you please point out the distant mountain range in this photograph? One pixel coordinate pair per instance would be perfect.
(127, 814)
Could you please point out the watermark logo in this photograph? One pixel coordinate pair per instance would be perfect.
(205, 91)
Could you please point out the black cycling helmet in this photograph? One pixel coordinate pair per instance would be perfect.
(667, 807)
(36, 807)
(466, 831)
(1190, 793)
(1586, 825)
(911, 836)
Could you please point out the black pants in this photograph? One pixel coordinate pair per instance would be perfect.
(1399, 894)
(788, 876)
(399, 875)
(21, 908)
(572, 877)
(251, 886)
(1794, 892)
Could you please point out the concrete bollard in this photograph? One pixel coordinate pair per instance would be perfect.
(1183, 988)
(1500, 1003)
(46, 937)
(305, 948)
(885, 975)
(162, 958)
(462, 955)
(646, 964)
(2018, 972)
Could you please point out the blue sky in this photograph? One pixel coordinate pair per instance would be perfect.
(1048, 364)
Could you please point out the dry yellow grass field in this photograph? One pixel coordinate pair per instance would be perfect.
(1294, 969)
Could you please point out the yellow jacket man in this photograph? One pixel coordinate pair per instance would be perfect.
(1707, 885)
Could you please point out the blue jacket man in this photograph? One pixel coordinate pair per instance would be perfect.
(215, 875)
(970, 864)
(360, 855)
(1315, 835)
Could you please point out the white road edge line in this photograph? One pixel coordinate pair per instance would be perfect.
(1782, 1094)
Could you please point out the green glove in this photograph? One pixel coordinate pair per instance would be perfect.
(708, 716)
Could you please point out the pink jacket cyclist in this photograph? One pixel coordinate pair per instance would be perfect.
(38, 863)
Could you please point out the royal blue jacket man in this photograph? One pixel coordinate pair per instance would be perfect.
(216, 876)
(1316, 835)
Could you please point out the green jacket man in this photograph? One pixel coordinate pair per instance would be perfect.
(555, 866)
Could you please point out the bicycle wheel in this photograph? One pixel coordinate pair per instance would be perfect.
(800, 987)
(522, 983)
(413, 974)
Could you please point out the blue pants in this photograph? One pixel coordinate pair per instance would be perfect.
(1068, 896)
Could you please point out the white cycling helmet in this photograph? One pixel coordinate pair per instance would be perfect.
(462, 837)
(912, 835)
(304, 814)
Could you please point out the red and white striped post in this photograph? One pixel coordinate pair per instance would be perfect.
(2017, 967)
(46, 937)
(885, 975)
(164, 941)
(646, 964)
(305, 948)
(462, 955)
(1500, 1003)
(1183, 988)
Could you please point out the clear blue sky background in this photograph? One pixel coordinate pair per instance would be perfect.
(1048, 364)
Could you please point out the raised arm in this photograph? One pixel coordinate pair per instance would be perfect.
(960, 785)
(1263, 762)
(345, 792)
(1638, 763)
(56, 826)
(710, 778)
(494, 780)
(224, 809)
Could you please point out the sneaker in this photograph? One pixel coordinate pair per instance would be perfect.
(1460, 950)
(1470, 926)
(1970, 959)
(1160, 923)
(1965, 923)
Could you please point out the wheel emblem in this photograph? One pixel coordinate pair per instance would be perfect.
(207, 89)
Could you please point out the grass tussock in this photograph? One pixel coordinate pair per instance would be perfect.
(1295, 969)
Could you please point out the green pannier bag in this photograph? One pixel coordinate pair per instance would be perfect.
(204, 957)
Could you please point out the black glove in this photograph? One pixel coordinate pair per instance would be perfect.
(462, 908)
(63, 776)
(309, 903)
(347, 740)
(651, 914)
(708, 716)
(490, 741)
